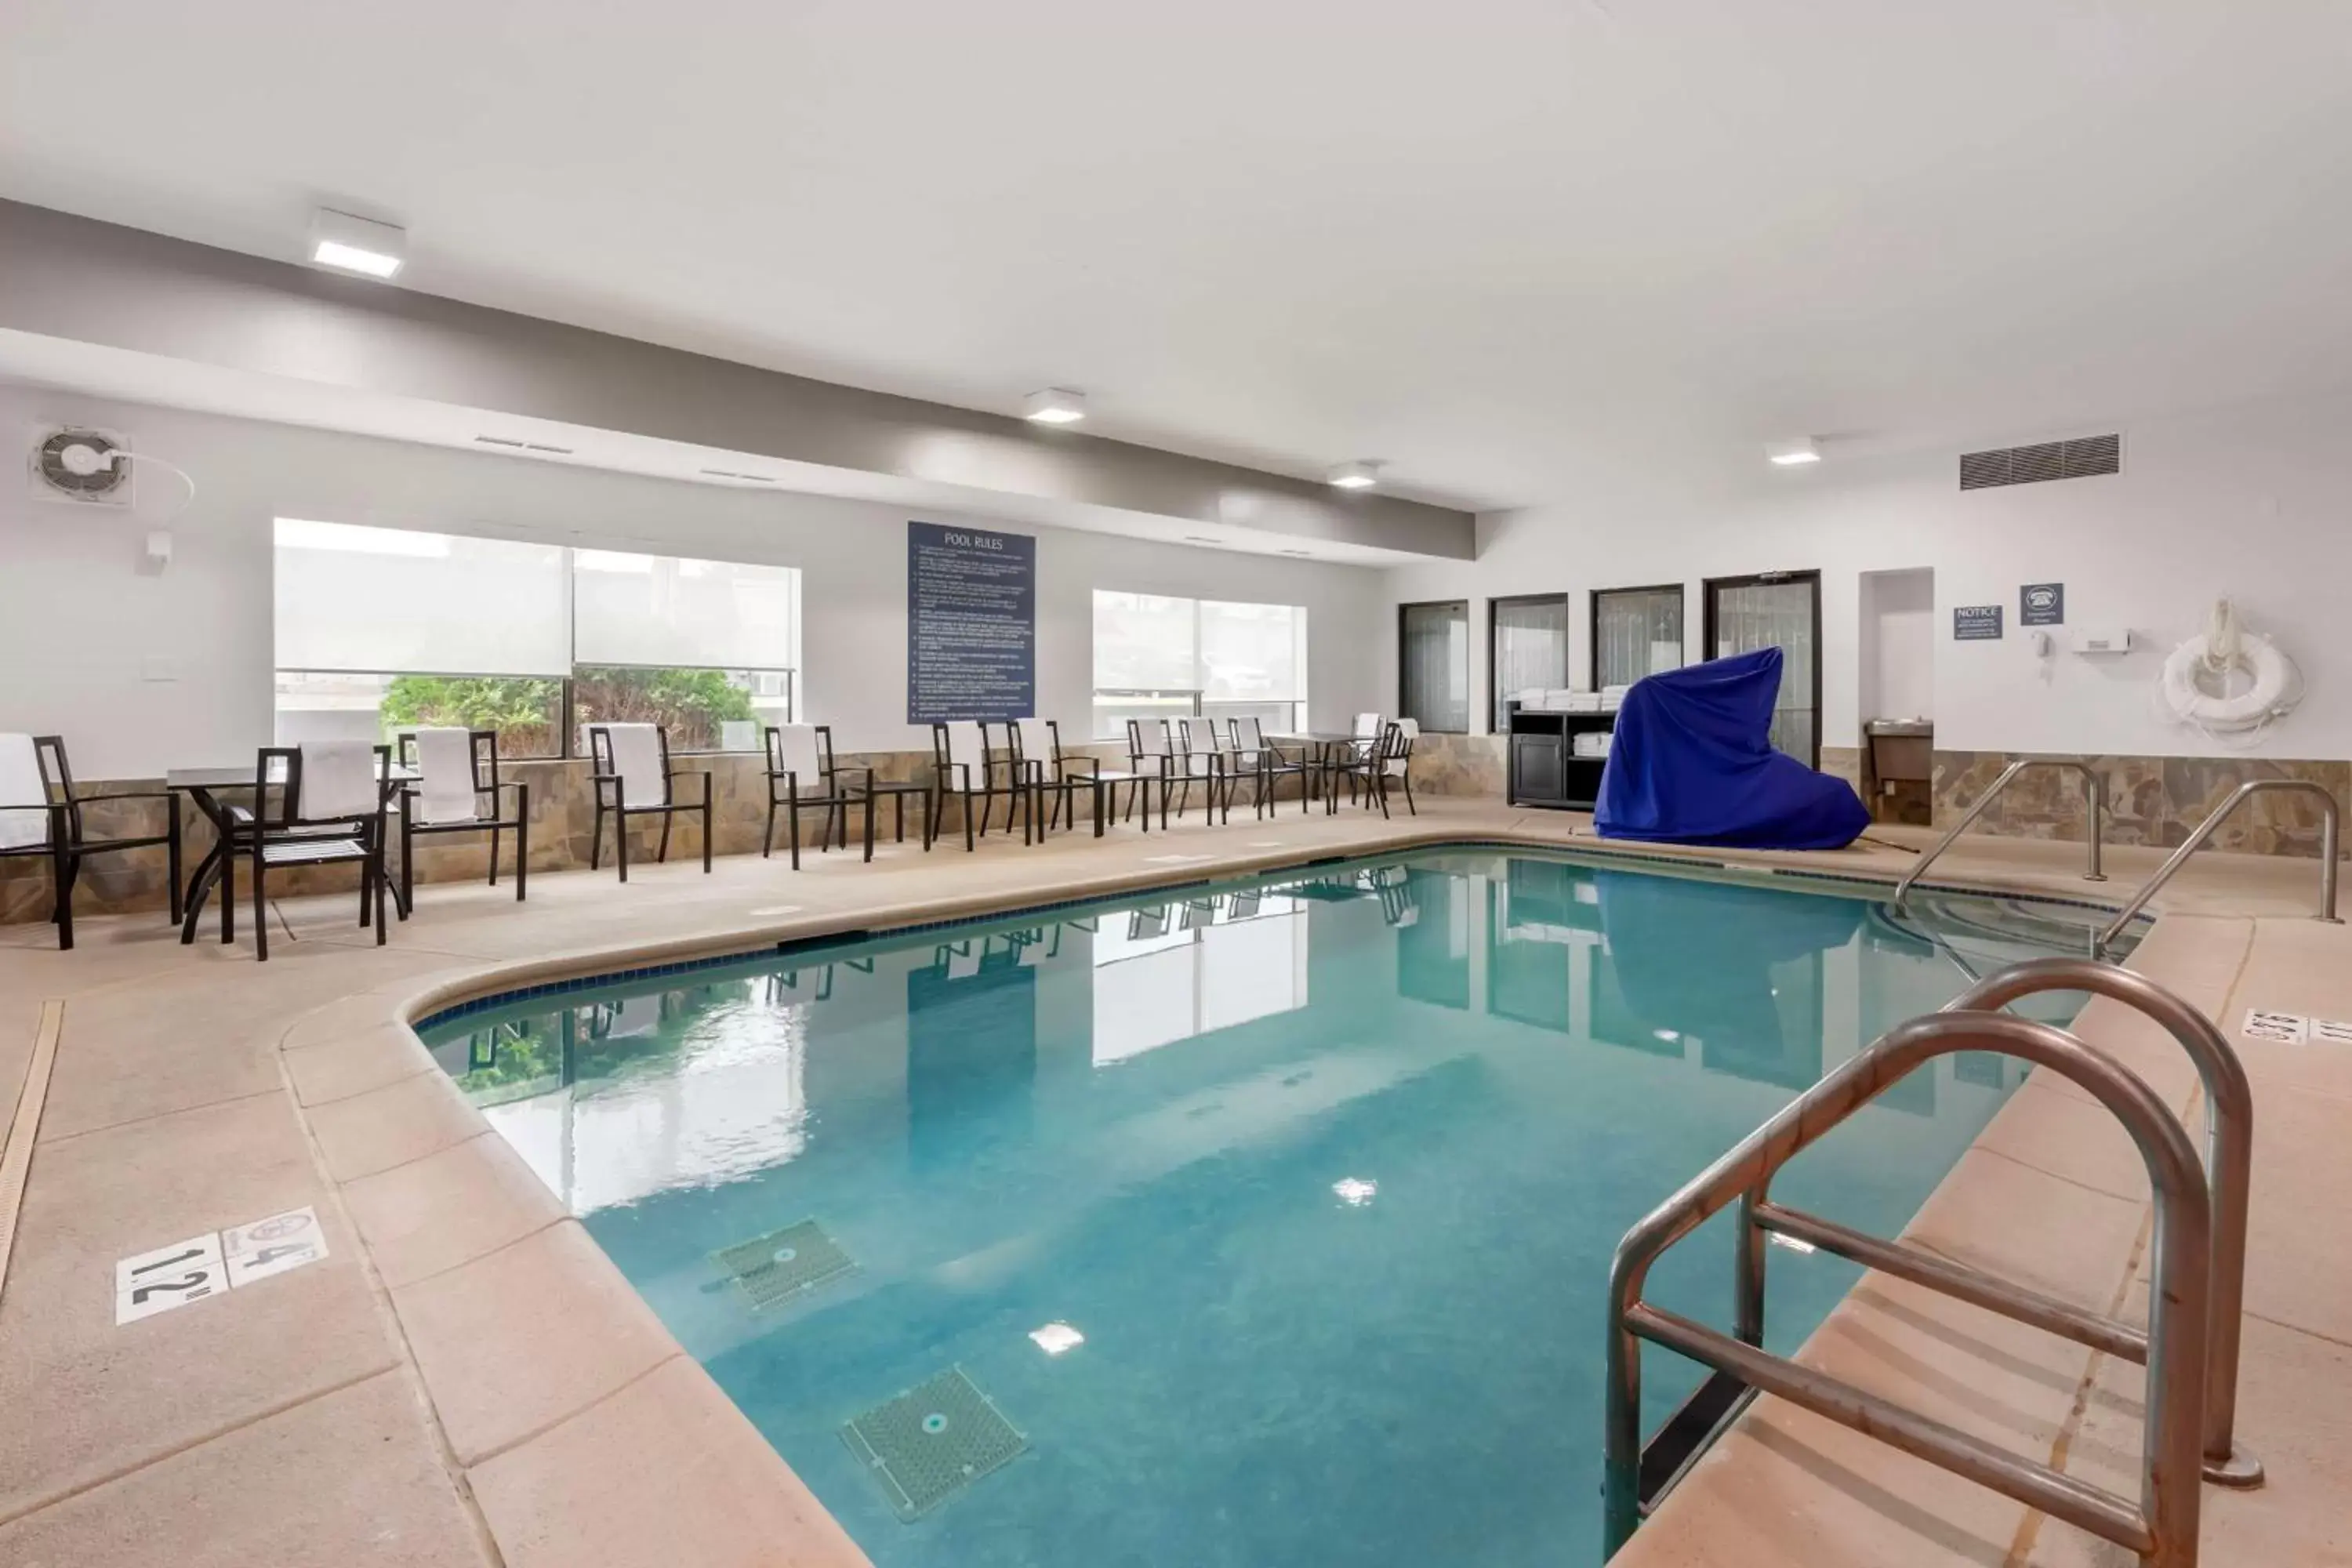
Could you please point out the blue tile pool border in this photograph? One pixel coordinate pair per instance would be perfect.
(788, 946)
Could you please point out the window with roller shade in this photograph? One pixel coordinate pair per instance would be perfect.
(1159, 656)
(1434, 644)
(1526, 648)
(380, 630)
(1635, 632)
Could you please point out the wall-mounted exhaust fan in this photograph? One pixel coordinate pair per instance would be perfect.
(79, 464)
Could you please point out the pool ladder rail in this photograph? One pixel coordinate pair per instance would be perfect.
(2094, 791)
(2190, 1349)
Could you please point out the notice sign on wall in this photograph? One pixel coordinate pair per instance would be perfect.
(1976, 623)
(971, 623)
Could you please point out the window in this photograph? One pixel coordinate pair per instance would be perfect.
(1526, 648)
(1434, 644)
(1163, 658)
(380, 630)
(1636, 632)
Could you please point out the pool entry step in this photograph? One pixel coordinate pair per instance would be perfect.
(1689, 1432)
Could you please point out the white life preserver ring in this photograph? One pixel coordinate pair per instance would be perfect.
(2192, 704)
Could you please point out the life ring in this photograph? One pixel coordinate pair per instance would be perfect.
(2192, 704)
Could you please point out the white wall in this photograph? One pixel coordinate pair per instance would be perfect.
(2253, 501)
(84, 633)
(1898, 646)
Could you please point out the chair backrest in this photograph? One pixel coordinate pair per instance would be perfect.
(318, 781)
(1368, 726)
(1396, 745)
(1037, 741)
(1148, 738)
(1249, 735)
(639, 754)
(1198, 736)
(454, 767)
(962, 743)
(804, 751)
(23, 784)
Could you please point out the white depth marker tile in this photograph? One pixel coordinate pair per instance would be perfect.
(273, 1246)
(2280, 1028)
(1173, 860)
(147, 1283)
(2331, 1031)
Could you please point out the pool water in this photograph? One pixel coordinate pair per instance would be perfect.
(1274, 1216)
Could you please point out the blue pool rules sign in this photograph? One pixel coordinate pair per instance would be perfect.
(971, 623)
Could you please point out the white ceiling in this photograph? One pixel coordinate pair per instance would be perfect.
(1516, 247)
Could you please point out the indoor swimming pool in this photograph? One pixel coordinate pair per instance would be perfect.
(1263, 1222)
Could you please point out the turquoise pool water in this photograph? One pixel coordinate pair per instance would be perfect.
(1273, 1216)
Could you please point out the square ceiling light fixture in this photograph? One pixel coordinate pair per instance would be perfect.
(1360, 475)
(1055, 405)
(350, 244)
(1793, 454)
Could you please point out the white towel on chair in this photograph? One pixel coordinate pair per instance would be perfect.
(797, 754)
(20, 785)
(338, 780)
(636, 757)
(445, 757)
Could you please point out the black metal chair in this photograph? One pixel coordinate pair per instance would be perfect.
(324, 819)
(418, 813)
(957, 750)
(1151, 759)
(799, 756)
(619, 758)
(1200, 759)
(1373, 767)
(1037, 759)
(1257, 758)
(48, 822)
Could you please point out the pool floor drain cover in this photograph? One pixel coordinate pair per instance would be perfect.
(931, 1442)
(783, 1263)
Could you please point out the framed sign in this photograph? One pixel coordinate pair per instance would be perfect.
(2042, 605)
(971, 623)
(1976, 623)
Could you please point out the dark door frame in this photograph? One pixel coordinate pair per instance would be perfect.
(1494, 697)
(1680, 590)
(1707, 595)
(1461, 605)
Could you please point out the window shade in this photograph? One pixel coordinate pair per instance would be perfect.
(395, 601)
(1227, 652)
(1530, 648)
(1436, 649)
(1251, 653)
(1636, 632)
(683, 613)
(1145, 642)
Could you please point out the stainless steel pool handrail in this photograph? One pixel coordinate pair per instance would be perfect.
(2205, 829)
(2162, 1529)
(2229, 1175)
(2094, 788)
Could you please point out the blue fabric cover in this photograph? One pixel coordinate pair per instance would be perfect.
(1690, 765)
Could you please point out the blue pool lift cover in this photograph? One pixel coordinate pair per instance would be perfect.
(1690, 764)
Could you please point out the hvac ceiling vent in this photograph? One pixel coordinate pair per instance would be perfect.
(2080, 459)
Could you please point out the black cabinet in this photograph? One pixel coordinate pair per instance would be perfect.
(1544, 769)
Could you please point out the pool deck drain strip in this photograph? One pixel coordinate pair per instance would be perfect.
(16, 1160)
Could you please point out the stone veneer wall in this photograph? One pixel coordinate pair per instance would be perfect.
(2154, 801)
(562, 814)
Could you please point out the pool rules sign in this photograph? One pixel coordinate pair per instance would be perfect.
(971, 623)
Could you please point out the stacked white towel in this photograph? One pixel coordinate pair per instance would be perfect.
(338, 780)
(636, 757)
(20, 785)
(445, 757)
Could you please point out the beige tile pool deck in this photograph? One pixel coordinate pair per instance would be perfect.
(466, 1380)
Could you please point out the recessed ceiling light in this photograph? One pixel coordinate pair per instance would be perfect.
(1055, 405)
(1791, 453)
(1360, 475)
(1201, 539)
(350, 244)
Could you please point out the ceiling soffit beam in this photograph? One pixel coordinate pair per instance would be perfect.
(125, 288)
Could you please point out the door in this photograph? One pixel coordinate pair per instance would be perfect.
(1782, 610)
